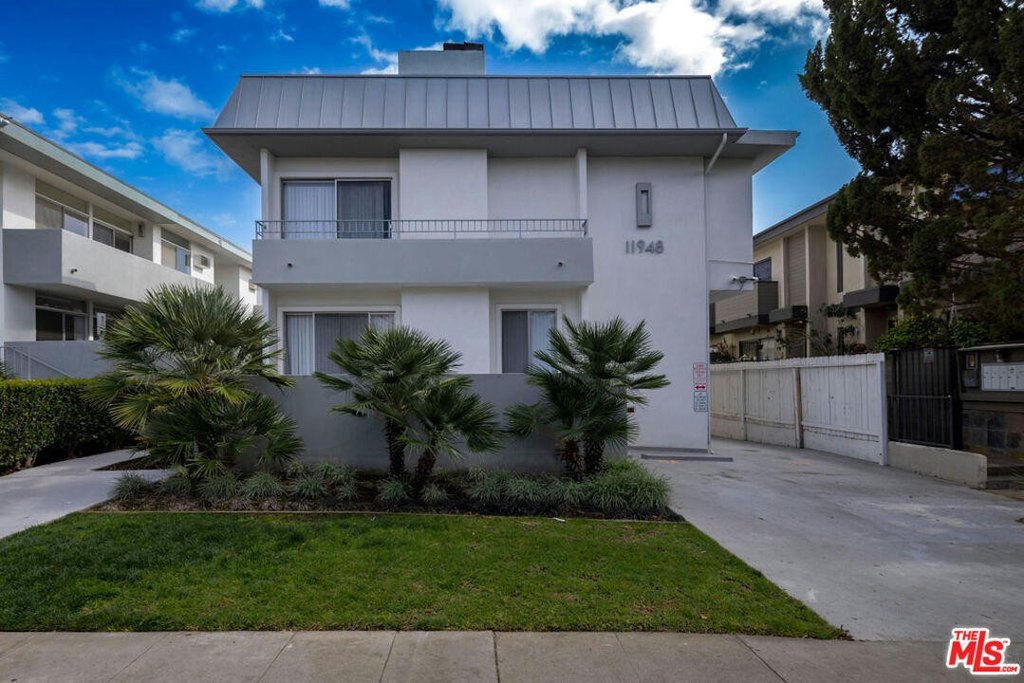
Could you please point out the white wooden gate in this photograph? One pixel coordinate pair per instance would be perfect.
(830, 403)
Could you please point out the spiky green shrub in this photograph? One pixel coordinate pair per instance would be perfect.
(488, 488)
(345, 490)
(310, 486)
(626, 487)
(433, 495)
(564, 494)
(132, 486)
(295, 469)
(392, 493)
(184, 363)
(177, 485)
(217, 488)
(334, 474)
(262, 485)
(524, 492)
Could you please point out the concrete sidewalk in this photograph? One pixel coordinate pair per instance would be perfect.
(452, 657)
(48, 492)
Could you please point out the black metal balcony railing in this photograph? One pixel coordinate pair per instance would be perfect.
(396, 229)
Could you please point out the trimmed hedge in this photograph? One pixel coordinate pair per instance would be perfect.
(52, 418)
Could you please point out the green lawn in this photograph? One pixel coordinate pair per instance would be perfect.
(157, 571)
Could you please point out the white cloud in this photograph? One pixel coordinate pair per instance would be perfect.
(67, 122)
(337, 4)
(673, 36)
(227, 5)
(99, 150)
(187, 150)
(388, 60)
(281, 36)
(182, 35)
(165, 96)
(27, 115)
(309, 70)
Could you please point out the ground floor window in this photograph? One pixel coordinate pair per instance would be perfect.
(750, 349)
(60, 319)
(523, 333)
(310, 337)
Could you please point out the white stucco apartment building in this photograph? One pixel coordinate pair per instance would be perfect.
(481, 209)
(78, 245)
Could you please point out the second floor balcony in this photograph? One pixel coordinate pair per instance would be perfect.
(64, 262)
(436, 252)
(462, 228)
(748, 309)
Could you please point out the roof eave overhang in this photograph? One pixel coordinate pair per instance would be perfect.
(243, 144)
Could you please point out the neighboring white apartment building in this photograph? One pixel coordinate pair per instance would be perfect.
(480, 209)
(78, 245)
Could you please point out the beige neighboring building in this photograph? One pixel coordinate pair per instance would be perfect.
(799, 270)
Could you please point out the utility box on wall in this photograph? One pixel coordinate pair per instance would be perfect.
(992, 393)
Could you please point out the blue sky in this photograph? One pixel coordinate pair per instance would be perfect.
(128, 84)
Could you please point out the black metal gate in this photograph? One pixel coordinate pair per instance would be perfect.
(924, 400)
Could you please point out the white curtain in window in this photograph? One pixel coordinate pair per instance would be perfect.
(330, 327)
(308, 210)
(515, 341)
(48, 214)
(365, 206)
(541, 324)
(298, 340)
(382, 321)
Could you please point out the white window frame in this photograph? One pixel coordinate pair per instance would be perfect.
(174, 266)
(396, 311)
(108, 226)
(85, 215)
(501, 308)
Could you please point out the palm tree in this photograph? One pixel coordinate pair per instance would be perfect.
(184, 362)
(576, 412)
(589, 378)
(388, 372)
(447, 413)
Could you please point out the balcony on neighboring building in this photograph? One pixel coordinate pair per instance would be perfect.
(62, 262)
(747, 310)
(423, 252)
(872, 297)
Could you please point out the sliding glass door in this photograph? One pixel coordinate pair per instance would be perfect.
(328, 209)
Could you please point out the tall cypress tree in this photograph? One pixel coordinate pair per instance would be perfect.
(928, 97)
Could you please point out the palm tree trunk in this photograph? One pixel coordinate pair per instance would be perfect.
(571, 456)
(424, 468)
(396, 449)
(593, 454)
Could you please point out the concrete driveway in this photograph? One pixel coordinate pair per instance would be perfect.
(45, 493)
(883, 553)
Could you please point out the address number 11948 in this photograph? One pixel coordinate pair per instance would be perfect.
(645, 247)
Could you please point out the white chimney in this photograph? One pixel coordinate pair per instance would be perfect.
(455, 59)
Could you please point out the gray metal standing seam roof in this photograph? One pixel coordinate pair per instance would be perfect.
(497, 103)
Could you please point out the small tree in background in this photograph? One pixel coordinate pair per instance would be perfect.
(590, 377)
(184, 362)
(927, 98)
(451, 413)
(406, 378)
